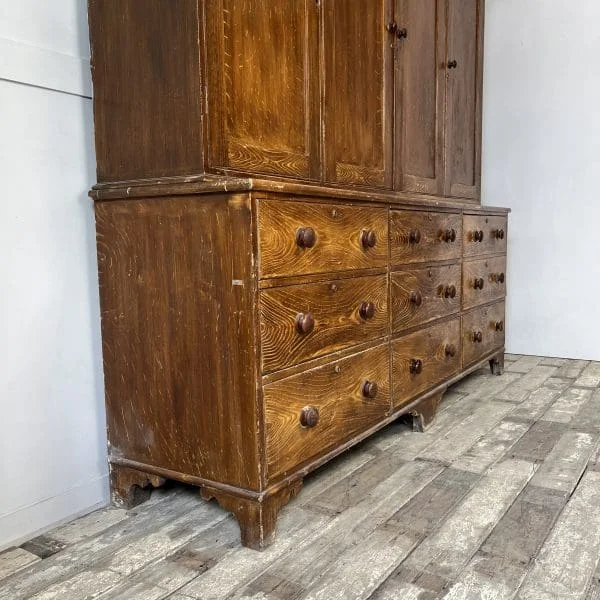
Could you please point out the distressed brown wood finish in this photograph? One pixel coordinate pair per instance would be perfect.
(254, 328)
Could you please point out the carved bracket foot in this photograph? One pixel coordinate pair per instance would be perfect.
(257, 518)
(497, 364)
(424, 413)
(129, 487)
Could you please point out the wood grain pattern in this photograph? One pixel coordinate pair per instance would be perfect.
(263, 87)
(147, 88)
(358, 92)
(482, 320)
(431, 227)
(489, 271)
(429, 346)
(338, 230)
(335, 306)
(174, 295)
(336, 391)
(492, 228)
(432, 287)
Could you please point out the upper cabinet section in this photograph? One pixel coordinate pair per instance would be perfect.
(263, 87)
(358, 92)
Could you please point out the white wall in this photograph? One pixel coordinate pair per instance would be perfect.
(541, 157)
(52, 432)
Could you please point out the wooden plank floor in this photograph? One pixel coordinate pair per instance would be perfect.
(499, 499)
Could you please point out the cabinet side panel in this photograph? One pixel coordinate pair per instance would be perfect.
(147, 88)
(177, 289)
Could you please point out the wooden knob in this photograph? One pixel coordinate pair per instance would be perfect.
(477, 337)
(449, 235)
(477, 236)
(450, 291)
(309, 417)
(499, 234)
(450, 350)
(501, 278)
(478, 283)
(392, 27)
(306, 237)
(366, 311)
(452, 64)
(305, 323)
(370, 389)
(416, 298)
(414, 236)
(416, 366)
(368, 239)
(499, 325)
(402, 34)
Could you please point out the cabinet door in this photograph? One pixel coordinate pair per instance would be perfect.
(358, 94)
(420, 95)
(463, 104)
(262, 72)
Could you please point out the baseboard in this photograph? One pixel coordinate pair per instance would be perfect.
(30, 521)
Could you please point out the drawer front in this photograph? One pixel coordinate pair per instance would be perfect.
(484, 281)
(297, 238)
(424, 236)
(422, 295)
(482, 332)
(423, 359)
(305, 321)
(317, 410)
(484, 235)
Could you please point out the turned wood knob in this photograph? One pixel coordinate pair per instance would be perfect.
(366, 311)
(452, 64)
(306, 237)
(305, 323)
(449, 235)
(450, 291)
(402, 33)
(416, 298)
(477, 236)
(309, 417)
(451, 350)
(499, 325)
(416, 366)
(499, 234)
(370, 389)
(477, 337)
(368, 239)
(392, 27)
(501, 278)
(414, 236)
(478, 283)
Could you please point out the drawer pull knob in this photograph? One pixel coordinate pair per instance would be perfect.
(414, 236)
(305, 323)
(451, 350)
(368, 239)
(477, 236)
(370, 389)
(306, 237)
(392, 27)
(449, 235)
(416, 298)
(402, 33)
(450, 291)
(477, 337)
(309, 417)
(366, 311)
(497, 277)
(499, 234)
(478, 283)
(452, 64)
(416, 366)
(499, 325)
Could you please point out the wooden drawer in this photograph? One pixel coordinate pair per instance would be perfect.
(345, 406)
(482, 332)
(422, 295)
(424, 236)
(484, 235)
(423, 359)
(483, 281)
(336, 314)
(297, 238)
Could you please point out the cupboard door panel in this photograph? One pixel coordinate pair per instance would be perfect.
(464, 81)
(358, 94)
(263, 86)
(420, 90)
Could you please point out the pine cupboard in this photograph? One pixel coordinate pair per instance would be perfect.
(292, 252)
